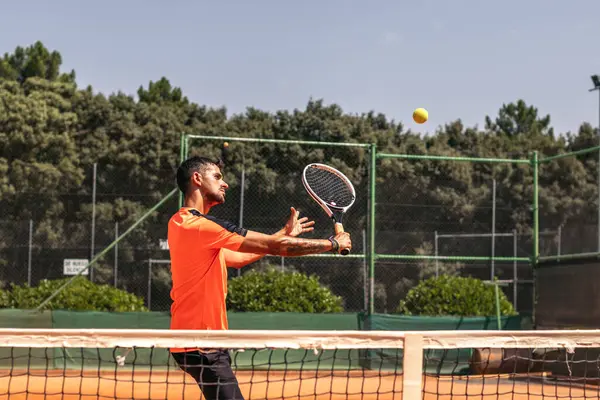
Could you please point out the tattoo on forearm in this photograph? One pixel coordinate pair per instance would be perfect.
(299, 247)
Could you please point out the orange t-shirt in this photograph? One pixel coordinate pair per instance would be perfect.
(198, 269)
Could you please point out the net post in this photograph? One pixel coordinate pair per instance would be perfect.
(412, 366)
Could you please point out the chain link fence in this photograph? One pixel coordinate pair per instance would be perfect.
(142, 266)
(566, 285)
(432, 216)
(265, 181)
(263, 186)
(445, 215)
(31, 256)
(569, 203)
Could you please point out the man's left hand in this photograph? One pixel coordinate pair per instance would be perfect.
(295, 226)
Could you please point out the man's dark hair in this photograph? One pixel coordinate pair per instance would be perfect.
(191, 165)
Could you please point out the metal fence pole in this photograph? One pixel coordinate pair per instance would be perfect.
(535, 229)
(437, 267)
(559, 240)
(365, 271)
(93, 220)
(493, 269)
(372, 196)
(29, 252)
(515, 272)
(241, 218)
(116, 253)
(536, 222)
(182, 155)
(149, 285)
(598, 183)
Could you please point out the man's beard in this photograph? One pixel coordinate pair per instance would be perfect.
(215, 198)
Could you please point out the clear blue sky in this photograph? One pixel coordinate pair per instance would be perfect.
(459, 59)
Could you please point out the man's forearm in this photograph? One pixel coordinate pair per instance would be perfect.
(292, 246)
(283, 245)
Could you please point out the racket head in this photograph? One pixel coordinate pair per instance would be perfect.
(330, 188)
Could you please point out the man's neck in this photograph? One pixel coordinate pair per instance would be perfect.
(196, 201)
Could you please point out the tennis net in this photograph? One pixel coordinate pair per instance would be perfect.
(136, 364)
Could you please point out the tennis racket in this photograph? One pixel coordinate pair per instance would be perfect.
(332, 190)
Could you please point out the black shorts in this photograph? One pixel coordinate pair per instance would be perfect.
(213, 373)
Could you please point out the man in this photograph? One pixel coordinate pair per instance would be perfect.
(201, 249)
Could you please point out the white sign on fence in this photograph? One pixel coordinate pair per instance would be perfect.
(164, 244)
(72, 266)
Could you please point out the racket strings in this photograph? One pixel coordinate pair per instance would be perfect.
(329, 187)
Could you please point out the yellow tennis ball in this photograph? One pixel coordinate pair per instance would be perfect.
(420, 115)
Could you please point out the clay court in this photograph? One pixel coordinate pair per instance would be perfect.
(367, 385)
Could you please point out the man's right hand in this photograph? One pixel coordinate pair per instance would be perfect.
(344, 241)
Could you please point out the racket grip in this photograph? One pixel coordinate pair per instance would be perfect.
(339, 228)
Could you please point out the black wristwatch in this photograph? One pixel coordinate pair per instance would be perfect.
(335, 246)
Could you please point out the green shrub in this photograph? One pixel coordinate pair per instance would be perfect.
(4, 300)
(80, 295)
(454, 295)
(274, 291)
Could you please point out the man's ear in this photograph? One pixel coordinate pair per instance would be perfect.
(197, 177)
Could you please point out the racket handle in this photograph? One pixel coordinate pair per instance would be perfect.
(339, 228)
